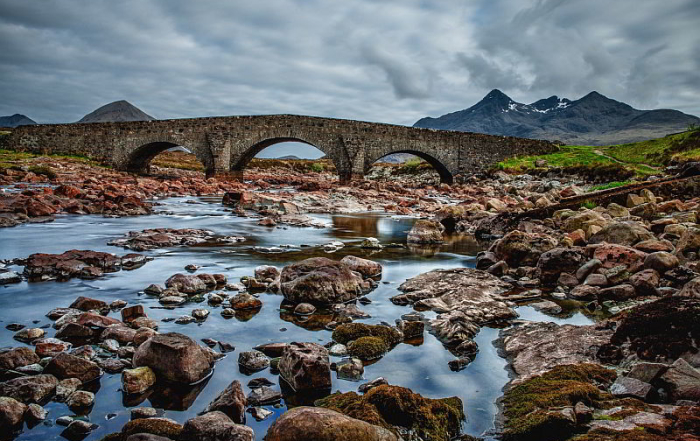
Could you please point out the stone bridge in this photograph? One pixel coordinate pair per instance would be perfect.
(225, 145)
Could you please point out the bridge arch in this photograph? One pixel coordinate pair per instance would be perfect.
(144, 150)
(446, 176)
(249, 151)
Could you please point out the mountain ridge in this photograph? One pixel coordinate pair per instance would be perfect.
(16, 120)
(593, 119)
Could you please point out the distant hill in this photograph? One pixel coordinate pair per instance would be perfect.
(16, 120)
(397, 158)
(117, 111)
(591, 120)
(291, 157)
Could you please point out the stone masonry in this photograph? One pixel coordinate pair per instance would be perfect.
(225, 145)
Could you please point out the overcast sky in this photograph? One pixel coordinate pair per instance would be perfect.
(389, 61)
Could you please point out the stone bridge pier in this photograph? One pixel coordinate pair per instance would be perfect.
(225, 145)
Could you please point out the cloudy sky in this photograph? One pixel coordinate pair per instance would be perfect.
(389, 61)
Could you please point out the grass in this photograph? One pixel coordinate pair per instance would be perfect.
(589, 204)
(634, 159)
(11, 158)
(609, 185)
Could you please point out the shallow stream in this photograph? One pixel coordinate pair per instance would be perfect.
(422, 368)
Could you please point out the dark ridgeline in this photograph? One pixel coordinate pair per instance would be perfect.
(591, 120)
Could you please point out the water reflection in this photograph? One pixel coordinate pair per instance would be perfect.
(420, 365)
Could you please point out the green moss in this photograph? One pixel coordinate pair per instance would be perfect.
(526, 405)
(316, 167)
(43, 170)
(368, 348)
(348, 332)
(589, 205)
(155, 426)
(392, 406)
(615, 435)
(610, 185)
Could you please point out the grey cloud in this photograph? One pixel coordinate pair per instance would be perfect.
(407, 81)
(391, 61)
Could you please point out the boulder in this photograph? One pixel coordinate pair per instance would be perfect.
(216, 426)
(425, 231)
(552, 263)
(245, 301)
(584, 219)
(66, 365)
(17, 357)
(661, 261)
(88, 304)
(691, 289)
(518, 248)
(319, 424)
(623, 233)
(264, 272)
(37, 389)
(230, 401)
(365, 267)
(80, 399)
(625, 387)
(186, 284)
(174, 357)
(689, 241)
(306, 366)
(253, 361)
(138, 380)
(319, 280)
(612, 255)
(11, 413)
(683, 381)
(132, 313)
(645, 282)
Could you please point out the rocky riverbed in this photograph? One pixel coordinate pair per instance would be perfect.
(291, 306)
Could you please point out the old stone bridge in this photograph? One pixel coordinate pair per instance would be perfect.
(225, 145)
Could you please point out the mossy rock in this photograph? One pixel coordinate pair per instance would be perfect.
(348, 332)
(394, 406)
(367, 348)
(43, 170)
(527, 405)
(615, 435)
(155, 426)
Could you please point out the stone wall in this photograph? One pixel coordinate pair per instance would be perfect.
(225, 145)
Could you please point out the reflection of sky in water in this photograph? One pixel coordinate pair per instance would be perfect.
(423, 368)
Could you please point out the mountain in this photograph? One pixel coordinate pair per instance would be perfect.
(290, 157)
(15, 120)
(116, 112)
(592, 120)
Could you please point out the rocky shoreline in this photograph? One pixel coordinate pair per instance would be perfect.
(633, 374)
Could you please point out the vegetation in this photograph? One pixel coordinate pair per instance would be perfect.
(43, 170)
(368, 348)
(529, 407)
(623, 160)
(391, 406)
(14, 159)
(178, 160)
(316, 167)
(589, 204)
(609, 185)
(348, 332)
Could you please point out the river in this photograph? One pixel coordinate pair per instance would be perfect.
(422, 367)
